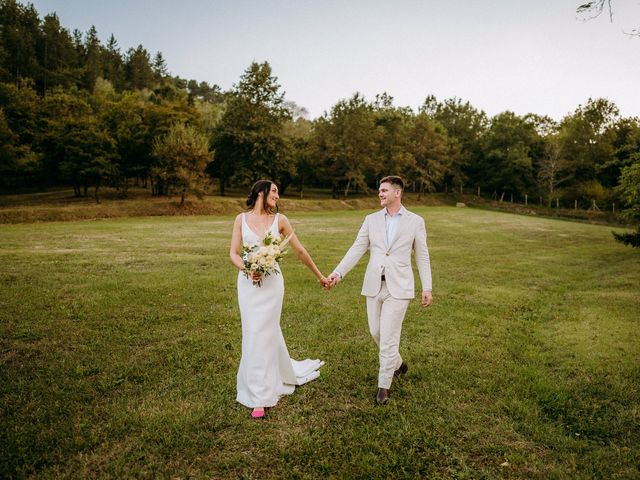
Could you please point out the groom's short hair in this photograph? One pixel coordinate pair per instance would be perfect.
(393, 180)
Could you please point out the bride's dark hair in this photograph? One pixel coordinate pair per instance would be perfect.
(263, 186)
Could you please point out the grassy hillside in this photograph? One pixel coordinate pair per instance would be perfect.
(120, 341)
(61, 205)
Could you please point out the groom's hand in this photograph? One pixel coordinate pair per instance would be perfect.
(426, 299)
(333, 280)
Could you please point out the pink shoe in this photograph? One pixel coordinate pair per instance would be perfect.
(257, 413)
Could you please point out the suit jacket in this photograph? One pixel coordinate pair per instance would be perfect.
(395, 259)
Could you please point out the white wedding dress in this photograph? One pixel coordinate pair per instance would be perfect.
(266, 371)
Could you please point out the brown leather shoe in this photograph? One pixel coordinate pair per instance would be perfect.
(383, 396)
(401, 370)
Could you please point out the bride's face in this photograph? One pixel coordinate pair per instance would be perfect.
(273, 197)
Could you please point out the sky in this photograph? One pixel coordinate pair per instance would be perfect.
(526, 56)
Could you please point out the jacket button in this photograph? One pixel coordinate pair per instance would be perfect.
(387, 254)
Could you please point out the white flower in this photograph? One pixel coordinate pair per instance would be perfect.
(264, 256)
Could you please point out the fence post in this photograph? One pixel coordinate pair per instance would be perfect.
(613, 207)
(557, 203)
(575, 204)
(526, 199)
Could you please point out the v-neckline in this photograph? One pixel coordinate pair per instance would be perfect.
(275, 217)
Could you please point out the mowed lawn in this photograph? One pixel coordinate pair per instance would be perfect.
(120, 341)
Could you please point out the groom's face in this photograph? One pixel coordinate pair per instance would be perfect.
(388, 194)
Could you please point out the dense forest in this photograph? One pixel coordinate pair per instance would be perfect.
(77, 112)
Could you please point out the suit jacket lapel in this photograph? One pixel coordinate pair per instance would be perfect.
(382, 227)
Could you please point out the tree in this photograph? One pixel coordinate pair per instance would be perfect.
(209, 115)
(629, 190)
(626, 143)
(87, 151)
(125, 120)
(587, 144)
(465, 127)
(183, 154)
(57, 110)
(19, 32)
(553, 168)
(344, 144)
(204, 92)
(159, 67)
(77, 147)
(595, 8)
(56, 56)
(7, 142)
(93, 61)
(21, 110)
(296, 111)
(249, 142)
(16, 161)
(134, 120)
(138, 71)
(113, 64)
(431, 150)
(393, 128)
(506, 163)
(298, 132)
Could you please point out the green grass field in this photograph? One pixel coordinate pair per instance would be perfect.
(120, 341)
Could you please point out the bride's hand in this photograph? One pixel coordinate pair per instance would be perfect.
(324, 282)
(256, 277)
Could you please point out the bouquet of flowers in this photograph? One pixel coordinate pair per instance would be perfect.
(263, 256)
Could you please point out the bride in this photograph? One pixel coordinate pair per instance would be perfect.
(266, 371)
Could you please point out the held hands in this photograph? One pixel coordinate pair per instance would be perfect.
(331, 281)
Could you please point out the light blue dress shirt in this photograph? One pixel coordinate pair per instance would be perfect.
(391, 223)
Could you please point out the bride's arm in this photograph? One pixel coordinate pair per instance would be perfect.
(236, 244)
(301, 252)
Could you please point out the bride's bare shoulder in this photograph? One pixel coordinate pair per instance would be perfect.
(284, 226)
(282, 219)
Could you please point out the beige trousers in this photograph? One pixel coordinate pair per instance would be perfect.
(386, 315)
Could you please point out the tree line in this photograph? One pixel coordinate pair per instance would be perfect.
(76, 112)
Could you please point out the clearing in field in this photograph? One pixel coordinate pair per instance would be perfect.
(120, 343)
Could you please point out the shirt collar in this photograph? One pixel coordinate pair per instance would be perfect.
(400, 212)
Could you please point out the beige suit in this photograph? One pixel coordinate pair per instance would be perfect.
(387, 301)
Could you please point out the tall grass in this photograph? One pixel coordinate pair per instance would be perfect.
(120, 341)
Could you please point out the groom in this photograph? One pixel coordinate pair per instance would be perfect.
(390, 235)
